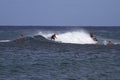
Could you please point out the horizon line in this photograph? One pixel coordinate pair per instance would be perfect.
(54, 26)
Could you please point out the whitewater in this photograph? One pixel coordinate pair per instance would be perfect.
(76, 37)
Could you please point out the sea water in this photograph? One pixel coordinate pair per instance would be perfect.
(72, 56)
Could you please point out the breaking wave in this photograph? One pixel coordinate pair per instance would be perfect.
(76, 37)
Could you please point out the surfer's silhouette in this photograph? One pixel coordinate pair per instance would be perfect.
(21, 36)
(93, 37)
(53, 37)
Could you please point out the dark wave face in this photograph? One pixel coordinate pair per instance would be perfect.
(37, 57)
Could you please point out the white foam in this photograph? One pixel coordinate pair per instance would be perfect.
(4, 40)
(76, 37)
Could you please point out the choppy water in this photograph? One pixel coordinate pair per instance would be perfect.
(37, 58)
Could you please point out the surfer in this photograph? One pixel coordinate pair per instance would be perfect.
(53, 37)
(21, 36)
(93, 37)
(109, 43)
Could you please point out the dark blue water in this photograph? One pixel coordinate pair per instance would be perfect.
(36, 58)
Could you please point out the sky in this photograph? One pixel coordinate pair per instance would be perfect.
(60, 12)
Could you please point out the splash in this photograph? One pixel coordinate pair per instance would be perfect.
(76, 37)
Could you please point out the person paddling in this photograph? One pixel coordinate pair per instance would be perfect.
(21, 36)
(109, 43)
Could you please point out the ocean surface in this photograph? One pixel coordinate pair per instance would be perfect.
(72, 56)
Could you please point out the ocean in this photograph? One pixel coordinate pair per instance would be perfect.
(73, 55)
